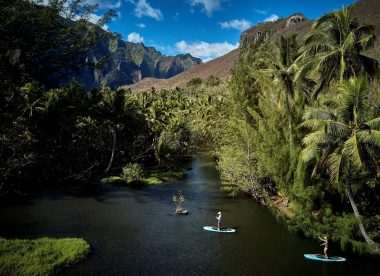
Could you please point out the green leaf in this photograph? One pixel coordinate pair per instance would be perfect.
(333, 164)
(351, 153)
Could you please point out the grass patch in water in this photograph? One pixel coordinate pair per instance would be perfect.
(112, 180)
(42, 256)
(151, 177)
(159, 176)
(152, 180)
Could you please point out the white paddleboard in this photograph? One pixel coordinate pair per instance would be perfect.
(321, 258)
(221, 230)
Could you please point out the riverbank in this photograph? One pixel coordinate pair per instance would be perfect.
(42, 256)
(312, 227)
(150, 177)
(281, 204)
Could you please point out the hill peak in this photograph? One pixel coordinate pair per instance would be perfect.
(270, 28)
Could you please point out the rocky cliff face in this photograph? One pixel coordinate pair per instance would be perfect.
(296, 23)
(114, 62)
(365, 11)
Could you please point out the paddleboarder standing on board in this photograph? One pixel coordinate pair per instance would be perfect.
(325, 243)
(219, 219)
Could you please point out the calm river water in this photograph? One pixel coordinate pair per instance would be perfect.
(134, 231)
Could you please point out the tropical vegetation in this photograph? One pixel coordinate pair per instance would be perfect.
(65, 135)
(296, 126)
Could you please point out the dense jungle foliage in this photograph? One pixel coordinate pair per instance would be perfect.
(298, 122)
(65, 134)
(298, 125)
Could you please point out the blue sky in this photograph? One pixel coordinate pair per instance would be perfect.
(204, 28)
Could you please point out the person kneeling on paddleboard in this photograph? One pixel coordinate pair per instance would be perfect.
(324, 244)
(219, 219)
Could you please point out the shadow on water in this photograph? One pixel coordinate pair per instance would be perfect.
(135, 231)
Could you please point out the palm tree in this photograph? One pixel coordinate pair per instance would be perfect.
(334, 49)
(345, 137)
(276, 73)
(276, 67)
(112, 110)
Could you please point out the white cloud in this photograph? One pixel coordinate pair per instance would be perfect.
(141, 25)
(143, 8)
(135, 37)
(106, 4)
(206, 59)
(204, 50)
(93, 18)
(209, 6)
(271, 18)
(168, 50)
(238, 24)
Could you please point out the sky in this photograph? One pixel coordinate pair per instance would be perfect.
(206, 29)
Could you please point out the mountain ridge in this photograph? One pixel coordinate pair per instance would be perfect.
(366, 11)
(55, 45)
(118, 63)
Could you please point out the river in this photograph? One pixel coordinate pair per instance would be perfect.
(133, 231)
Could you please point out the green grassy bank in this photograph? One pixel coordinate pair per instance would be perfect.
(150, 177)
(42, 256)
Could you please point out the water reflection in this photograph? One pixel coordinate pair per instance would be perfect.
(135, 232)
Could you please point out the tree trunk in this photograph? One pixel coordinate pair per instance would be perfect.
(156, 150)
(290, 132)
(341, 67)
(113, 151)
(370, 242)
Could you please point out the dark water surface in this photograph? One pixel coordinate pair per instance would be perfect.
(134, 232)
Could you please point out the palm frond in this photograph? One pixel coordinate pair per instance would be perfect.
(316, 138)
(349, 42)
(333, 164)
(313, 124)
(375, 134)
(370, 65)
(353, 99)
(374, 123)
(328, 102)
(366, 37)
(336, 128)
(350, 152)
(319, 114)
(309, 153)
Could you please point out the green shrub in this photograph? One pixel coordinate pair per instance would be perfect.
(212, 81)
(194, 82)
(132, 172)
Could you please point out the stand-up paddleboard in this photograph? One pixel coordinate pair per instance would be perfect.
(321, 258)
(221, 230)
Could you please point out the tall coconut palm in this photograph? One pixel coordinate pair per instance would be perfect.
(279, 97)
(112, 110)
(345, 137)
(276, 73)
(275, 69)
(334, 49)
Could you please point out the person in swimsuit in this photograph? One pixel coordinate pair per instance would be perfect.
(325, 243)
(219, 219)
